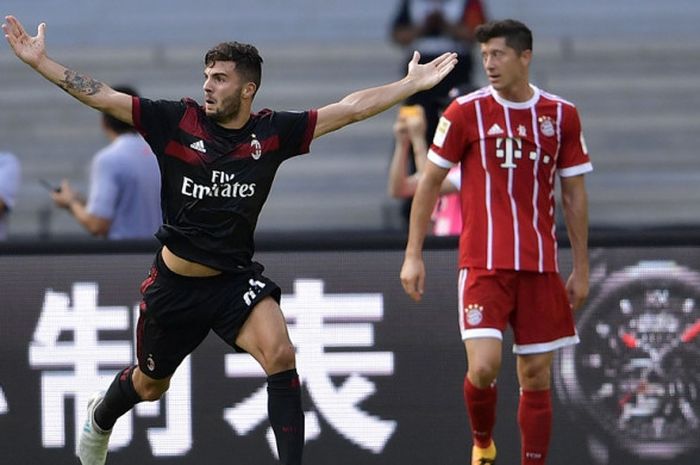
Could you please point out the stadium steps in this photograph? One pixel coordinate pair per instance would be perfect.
(638, 106)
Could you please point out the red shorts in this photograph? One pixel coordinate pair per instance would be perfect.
(535, 304)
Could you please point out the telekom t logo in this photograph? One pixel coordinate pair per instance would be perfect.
(511, 148)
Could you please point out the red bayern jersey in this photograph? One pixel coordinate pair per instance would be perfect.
(509, 154)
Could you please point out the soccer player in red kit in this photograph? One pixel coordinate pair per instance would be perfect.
(511, 138)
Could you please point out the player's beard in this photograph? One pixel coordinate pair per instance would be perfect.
(229, 109)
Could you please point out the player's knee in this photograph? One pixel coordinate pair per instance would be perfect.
(483, 373)
(281, 357)
(534, 376)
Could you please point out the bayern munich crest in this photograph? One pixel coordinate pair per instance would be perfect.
(474, 314)
(256, 148)
(546, 125)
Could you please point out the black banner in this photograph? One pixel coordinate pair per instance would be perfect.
(382, 375)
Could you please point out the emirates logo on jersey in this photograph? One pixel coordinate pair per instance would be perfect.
(546, 126)
(256, 148)
(223, 185)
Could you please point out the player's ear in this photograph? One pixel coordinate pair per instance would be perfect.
(249, 90)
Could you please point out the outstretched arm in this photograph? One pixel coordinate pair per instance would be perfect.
(365, 103)
(96, 94)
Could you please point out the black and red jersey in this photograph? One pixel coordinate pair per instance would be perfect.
(215, 180)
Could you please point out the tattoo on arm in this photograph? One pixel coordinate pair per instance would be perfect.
(77, 83)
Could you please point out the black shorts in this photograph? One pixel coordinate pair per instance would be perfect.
(177, 312)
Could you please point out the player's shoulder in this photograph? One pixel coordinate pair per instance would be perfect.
(262, 118)
(464, 105)
(277, 118)
(164, 107)
(472, 97)
(265, 113)
(548, 96)
(107, 159)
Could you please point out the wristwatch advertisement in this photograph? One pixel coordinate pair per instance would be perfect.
(634, 380)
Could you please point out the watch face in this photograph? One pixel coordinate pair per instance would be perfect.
(636, 372)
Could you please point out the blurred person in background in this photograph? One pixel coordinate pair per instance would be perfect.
(124, 196)
(10, 173)
(217, 161)
(409, 134)
(433, 27)
(511, 139)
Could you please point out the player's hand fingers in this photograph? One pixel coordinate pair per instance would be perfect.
(420, 285)
(415, 58)
(576, 299)
(415, 295)
(16, 28)
(413, 286)
(8, 30)
(445, 59)
(41, 31)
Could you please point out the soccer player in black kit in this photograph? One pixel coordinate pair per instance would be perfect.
(217, 163)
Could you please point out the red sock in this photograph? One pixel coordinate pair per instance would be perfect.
(481, 405)
(535, 420)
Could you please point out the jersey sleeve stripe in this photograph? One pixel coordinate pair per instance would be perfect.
(575, 170)
(136, 114)
(309, 133)
(438, 160)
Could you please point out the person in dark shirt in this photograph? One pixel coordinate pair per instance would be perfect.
(434, 27)
(217, 163)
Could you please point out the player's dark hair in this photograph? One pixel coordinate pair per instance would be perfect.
(518, 36)
(113, 123)
(248, 60)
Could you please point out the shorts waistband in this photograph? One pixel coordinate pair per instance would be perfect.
(168, 274)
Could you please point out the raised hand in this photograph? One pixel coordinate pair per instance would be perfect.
(30, 50)
(428, 75)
